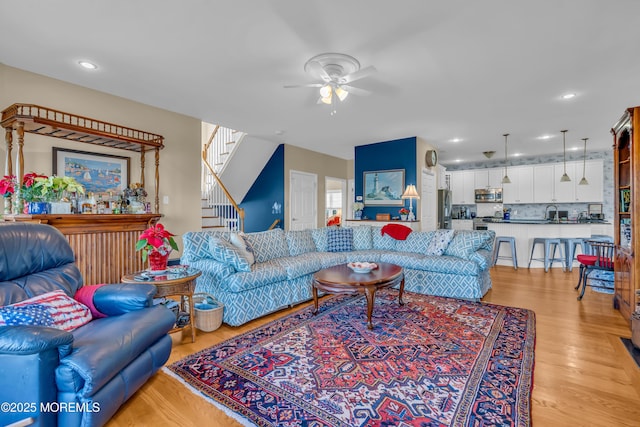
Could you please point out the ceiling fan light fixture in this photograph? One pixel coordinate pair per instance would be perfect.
(341, 93)
(325, 91)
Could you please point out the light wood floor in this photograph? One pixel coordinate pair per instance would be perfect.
(583, 374)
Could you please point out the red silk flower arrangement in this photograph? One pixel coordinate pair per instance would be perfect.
(156, 239)
(404, 211)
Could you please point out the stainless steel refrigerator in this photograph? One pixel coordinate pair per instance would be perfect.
(444, 209)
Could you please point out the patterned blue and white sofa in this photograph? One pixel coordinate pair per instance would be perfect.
(457, 265)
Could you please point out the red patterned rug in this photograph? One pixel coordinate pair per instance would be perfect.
(432, 362)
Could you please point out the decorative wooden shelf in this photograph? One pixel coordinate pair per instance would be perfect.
(57, 124)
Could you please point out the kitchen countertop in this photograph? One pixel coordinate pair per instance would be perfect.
(539, 221)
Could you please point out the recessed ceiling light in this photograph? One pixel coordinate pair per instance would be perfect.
(88, 65)
(457, 160)
(568, 95)
(517, 154)
(545, 137)
(574, 148)
(456, 140)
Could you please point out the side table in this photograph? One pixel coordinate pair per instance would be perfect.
(170, 284)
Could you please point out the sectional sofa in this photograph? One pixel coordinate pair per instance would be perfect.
(270, 270)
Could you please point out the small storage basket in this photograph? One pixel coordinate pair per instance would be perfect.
(208, 312)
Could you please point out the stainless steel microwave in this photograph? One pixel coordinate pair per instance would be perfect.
(488, 195)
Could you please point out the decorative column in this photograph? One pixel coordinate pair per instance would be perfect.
(157, 180)
(8, 164)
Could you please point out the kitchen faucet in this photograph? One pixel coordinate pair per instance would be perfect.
(546, 213)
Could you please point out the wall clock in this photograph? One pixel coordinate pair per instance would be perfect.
(431, 158)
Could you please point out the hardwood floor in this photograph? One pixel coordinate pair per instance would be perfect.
(583, 374)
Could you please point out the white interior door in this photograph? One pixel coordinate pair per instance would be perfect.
(428, 202)
(303, 195)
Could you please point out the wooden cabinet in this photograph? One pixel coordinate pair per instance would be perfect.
(463, 187)
(626, 158)
(520, 190)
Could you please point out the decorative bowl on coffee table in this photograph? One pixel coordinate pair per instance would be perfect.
(362, 267)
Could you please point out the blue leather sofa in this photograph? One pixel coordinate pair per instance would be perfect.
(286, 261)
(77, 378)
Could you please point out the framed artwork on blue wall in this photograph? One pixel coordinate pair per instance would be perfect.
(384, 188)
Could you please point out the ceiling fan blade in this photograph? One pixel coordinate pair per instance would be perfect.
(316, 69)
(355, 90)
(360, 74)
(307, 85)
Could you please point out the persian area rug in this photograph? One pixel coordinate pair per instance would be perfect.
(432, 362)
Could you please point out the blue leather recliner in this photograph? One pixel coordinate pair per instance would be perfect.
(78, 378)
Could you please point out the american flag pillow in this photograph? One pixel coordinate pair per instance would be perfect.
(53, 309)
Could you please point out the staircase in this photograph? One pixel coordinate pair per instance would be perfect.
(219, 209)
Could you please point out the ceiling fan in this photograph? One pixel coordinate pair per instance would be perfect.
(337, 71)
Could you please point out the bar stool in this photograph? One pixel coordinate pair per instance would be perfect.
(549, 257)
(570, 246)
(595, 238)
(512, 242)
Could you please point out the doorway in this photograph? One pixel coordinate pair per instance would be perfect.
(335, 200)
(303, 194)
(428, 201)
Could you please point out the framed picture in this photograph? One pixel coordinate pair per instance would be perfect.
(384, 188)
(97, 172)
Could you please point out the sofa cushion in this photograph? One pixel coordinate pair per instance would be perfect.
(372, 255)
(196, 244)
(240, 242)
(262, 273)
(300, 265)
(362, 239)
(339, 239)
(416, 242)
(225, 252)
(52, 309)
(465, 243)
(329, 259)
(300, 242)
(435, 264)
(439, 242)
(268, 245)
(319, 236)
(382, 242)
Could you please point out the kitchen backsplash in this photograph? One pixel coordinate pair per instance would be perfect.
(537, 210)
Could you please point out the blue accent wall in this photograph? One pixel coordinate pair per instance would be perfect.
(396, 154)
(267, 190)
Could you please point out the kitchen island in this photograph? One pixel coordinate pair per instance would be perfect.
(525, 230)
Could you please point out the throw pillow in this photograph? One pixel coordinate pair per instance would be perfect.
(319, 236)
(465, 243)
(246, 250)
(382, 241)
(268, 245)
(53, 309)
(225, 252)
(362, 240)
(300, 242)
(339, 240)
(439, 242)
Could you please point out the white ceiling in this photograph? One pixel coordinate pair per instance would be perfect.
(446, 69)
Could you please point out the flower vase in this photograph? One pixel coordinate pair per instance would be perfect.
(403, 217)
(158, 262)
(357, 214)
(7, 206)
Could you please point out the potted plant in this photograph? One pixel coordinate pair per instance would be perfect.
(8, 186)
(357, 210)
(156, 244)
(403, 213)
(37, 191)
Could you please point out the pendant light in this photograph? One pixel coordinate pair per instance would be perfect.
(565, 177)
(506, 179)
(584, 181)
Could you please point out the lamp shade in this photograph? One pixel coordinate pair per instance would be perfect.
(410, 192)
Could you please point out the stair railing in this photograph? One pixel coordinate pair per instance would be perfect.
(229, 214)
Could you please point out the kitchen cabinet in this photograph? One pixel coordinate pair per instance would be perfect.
(462, 224)
(488, 178)
(547, 185)
(521, 188)
(592, 192)
(462, 187)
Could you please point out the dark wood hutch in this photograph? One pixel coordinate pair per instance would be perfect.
(626, 160)
(104, 245)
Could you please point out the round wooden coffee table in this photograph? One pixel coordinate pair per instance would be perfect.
(340, 279)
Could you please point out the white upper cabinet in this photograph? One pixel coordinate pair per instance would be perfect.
(592, 192)
(521, 188)
(488, 178)
(463, 187)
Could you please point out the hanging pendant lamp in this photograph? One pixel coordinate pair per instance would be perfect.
(584, 181)
(565, 177)
(506, 179)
